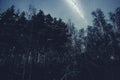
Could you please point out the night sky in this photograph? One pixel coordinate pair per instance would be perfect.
(79, 11)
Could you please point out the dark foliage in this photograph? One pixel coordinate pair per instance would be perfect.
(40, 47)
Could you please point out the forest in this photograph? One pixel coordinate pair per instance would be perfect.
(37, 46)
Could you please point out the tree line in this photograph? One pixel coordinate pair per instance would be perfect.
(39, 46)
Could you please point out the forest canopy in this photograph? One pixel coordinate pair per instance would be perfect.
(38, 45)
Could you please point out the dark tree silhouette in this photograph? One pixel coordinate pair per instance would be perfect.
(36, 46)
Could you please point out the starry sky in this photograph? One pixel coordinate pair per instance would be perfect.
(79, 12)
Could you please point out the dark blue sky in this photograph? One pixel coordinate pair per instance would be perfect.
(59, 8)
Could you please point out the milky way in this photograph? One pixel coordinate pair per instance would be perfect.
(77, 8)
